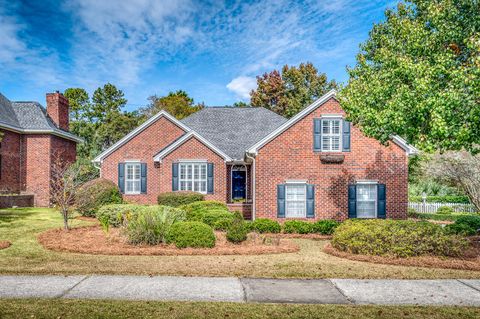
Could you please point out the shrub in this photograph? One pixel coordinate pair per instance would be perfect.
(297, 227)
(237, 232)
(213, 216)
(179, 198)
(396, 238)
(249, 226)
(96, 193)
(223, 224)
(458, 199)
(191, 234)
(195, 211)
(325, 227)
(467, 225)
(152, 225)
(445, 210)
(265, 225)
(412, 213)
(114, 214)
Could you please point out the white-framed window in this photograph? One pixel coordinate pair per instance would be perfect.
(193, 177)
(331, 135)
(132, 178)
(366, 200)
(296, 201)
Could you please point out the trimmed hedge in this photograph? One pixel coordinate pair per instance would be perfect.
(96, 193)
(237, 232)
(223, 224)
(325, 227)
(191, 234)
(445, 210)
(265, 225)
(195, 211)
(179, 198)
(211, 217)
(465, 225)
(458, 199)
(152, 224)
(297, 227)
(396, 238)
(435, 216)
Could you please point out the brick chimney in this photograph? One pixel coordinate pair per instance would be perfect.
(57, 109)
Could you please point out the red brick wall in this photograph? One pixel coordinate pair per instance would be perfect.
(10, 150)
(291, 156)
(143, 147)
(191, 150)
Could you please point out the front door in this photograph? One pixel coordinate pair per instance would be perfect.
(238, 185)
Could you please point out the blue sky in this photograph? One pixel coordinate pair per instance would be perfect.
(211, 49)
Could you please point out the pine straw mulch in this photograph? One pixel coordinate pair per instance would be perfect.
(93, 240)
(470, 262)
(4, 244)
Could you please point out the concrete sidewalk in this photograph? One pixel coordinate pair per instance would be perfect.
(321, 291)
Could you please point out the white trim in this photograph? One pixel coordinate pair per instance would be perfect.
(254, 149)
(193, 161)
(132, 161)
(304, 185)
(192, 180)
(139, 129)
(139, 180)
(366, 182)
(69, 136)
(332, 116)
(296, 181)
(183, 139)
(330, 135)
(410, 149)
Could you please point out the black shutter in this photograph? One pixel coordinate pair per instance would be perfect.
(346, 136)
(317, 134)
(381, 201)
(210, 178)
(281, 201)
(143, 181)
(310, 201)
(352, 201)
(174, 177)
(121, 177)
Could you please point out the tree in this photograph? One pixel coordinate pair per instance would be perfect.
(240, 104)
(460, 169)
(105, 101)
(288, 92)
(178, 104)
(65, 183)
(418, 75)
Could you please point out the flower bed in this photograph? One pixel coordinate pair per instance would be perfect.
(93, 240)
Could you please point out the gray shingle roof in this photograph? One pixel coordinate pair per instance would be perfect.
(234, 129)
(28, 116)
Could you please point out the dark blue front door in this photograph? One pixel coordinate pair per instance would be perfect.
(238, 184)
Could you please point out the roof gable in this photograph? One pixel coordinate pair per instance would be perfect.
(137, 131)
(409, 149)
(186, 137)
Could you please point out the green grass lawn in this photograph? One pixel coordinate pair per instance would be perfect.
(21, 226)
(62, 308)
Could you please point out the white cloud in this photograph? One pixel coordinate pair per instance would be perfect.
(242, 86)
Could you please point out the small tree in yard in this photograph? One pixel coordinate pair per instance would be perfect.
(65, 182)
(461, 169)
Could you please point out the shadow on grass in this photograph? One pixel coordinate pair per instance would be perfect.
(14, 214)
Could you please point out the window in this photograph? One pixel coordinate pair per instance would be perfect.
(296, 201)
(367, 200)
(193, 177)
(132, 178)
(331, 135)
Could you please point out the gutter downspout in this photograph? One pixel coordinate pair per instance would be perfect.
(253, 186)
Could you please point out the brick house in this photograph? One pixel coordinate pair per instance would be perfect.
(31, 138)
(313, 166)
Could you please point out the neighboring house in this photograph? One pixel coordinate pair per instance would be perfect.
(32, 139)
(313, 166)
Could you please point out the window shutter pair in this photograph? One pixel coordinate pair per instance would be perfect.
(310, 200)
(317, 135)
(381, 201)
(143, 177)
(210, 177)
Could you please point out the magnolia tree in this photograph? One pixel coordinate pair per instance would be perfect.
(66, 180)
(461, 169)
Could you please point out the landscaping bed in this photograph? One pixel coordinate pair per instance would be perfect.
(93, 240)
(465, 263)
(4, 244)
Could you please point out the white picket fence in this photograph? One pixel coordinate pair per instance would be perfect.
(432, 207)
